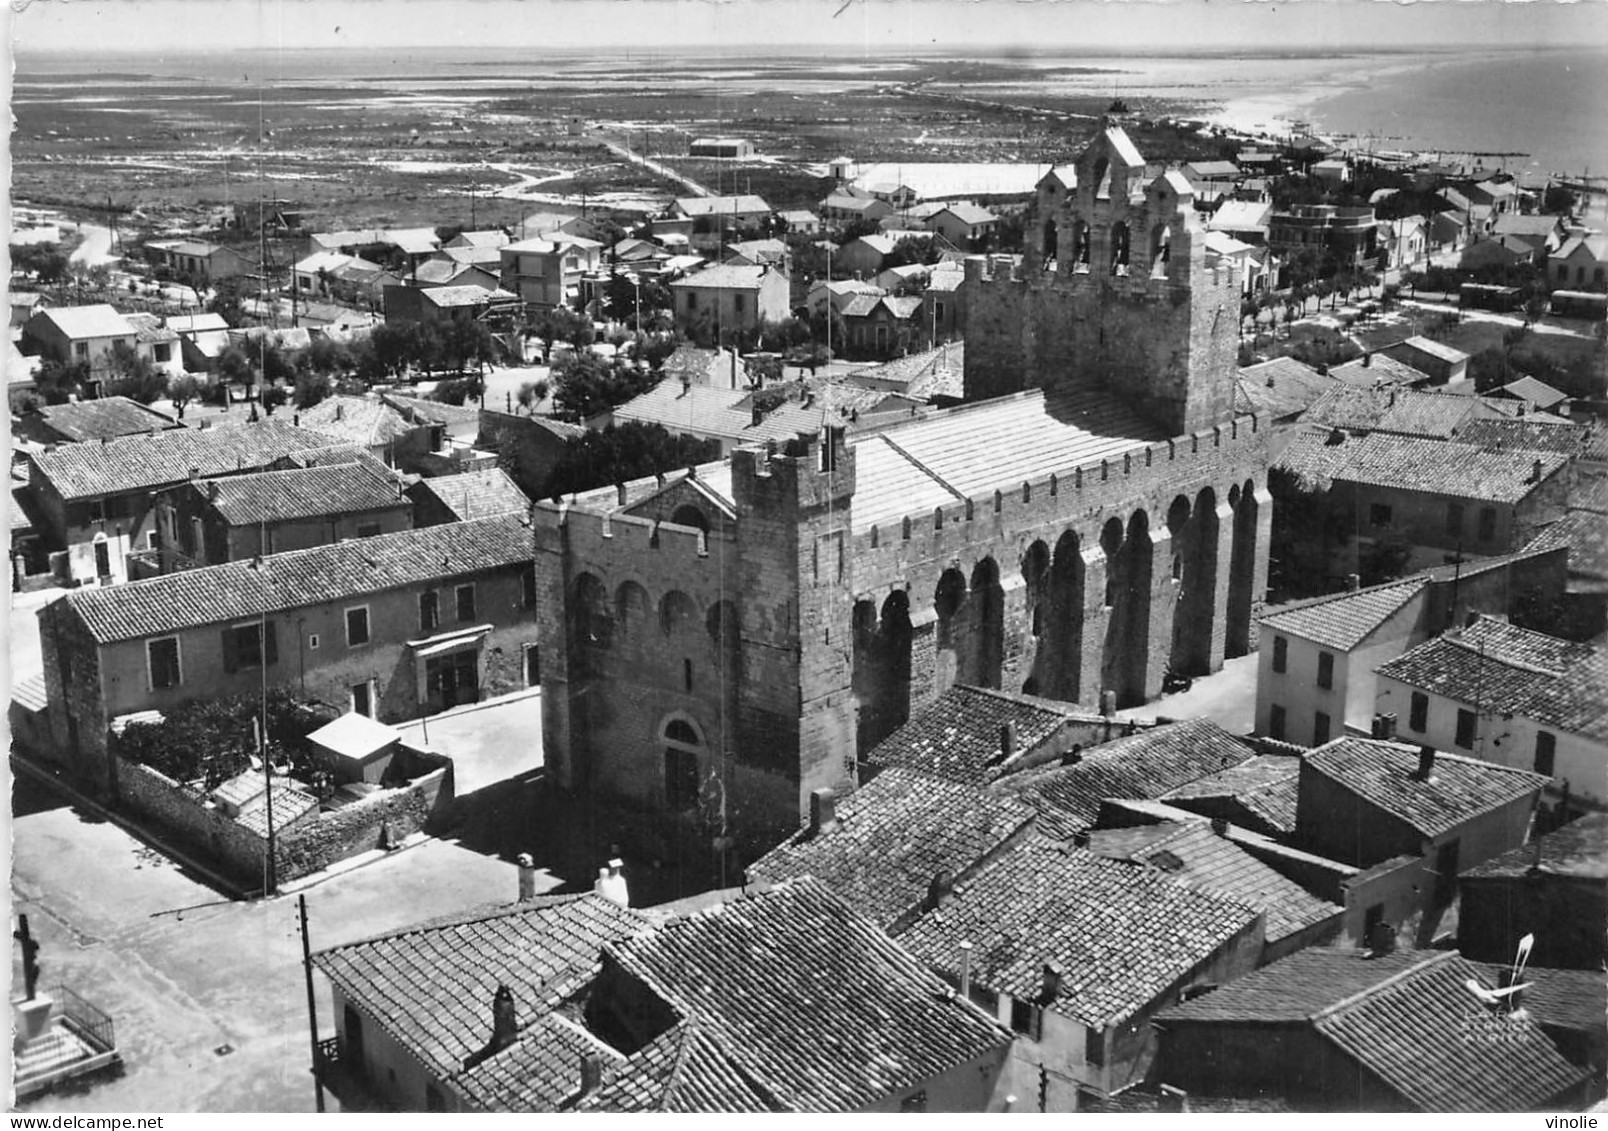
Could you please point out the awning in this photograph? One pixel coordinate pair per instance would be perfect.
(449, 642)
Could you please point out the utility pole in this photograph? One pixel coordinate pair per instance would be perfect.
(312, 1003)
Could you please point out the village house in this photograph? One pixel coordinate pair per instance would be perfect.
(370, 424)
(727, 299)
(1283, 388)
(479, 493)
(964, 225)
(157, 343)
(1581, 262)
(1426, 502)
(729, 148)
(1257, 796)
(240, 517)
(1511, 696)
(1245, 220)
(1316, 673)
(717, 220)
(207, 263)
(1360, 408)
(1536, 395)
(88, 422)
(486, 238)
(740, 415)
(839, 293)
(866, 255)
(755, 253)
(329, 274)
(455, 303)
(1412, 818)
(96, 502)
(1402, 241)
(546, 270)
(448, 272)
(1500, 196)
(73, 334)
(1212, 180)
(1076, 953)
(1342, 1029)
(1255, 268)
(202, 337)
(592, 1007)
(800, 221)
(906, 183)
(1374, 369)
(883, 326)
(846, 205)
(393, 626)
(1333, 172)
(1554, 889)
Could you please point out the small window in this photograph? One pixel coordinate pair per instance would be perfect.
(163, 658)
(1326, 669)
(1546, 751)
(1418, 712)
(357, 626)
(1487, 524)
(1465, 729)
(1320, 728)
(1281, 654)
(1454, 519)
(1379, 515)
(1094, 1048)
(1275, 722)
(466, 603)
(367, 529)
(429, 610)
(686, 675)
(80, 349)
(738, 304)
(312, 642)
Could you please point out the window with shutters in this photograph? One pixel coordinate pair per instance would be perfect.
(1418, 712)
(244, 647)
(1326, 669)
(1465, 729)
(1546, 752)
(466, 603)
(527, 583)
(1454, 519)
(1320, 728)
(429, 610)
(162, 658)
(1281, 654)
(1487, 524)
(357, 626)
(1275, 722)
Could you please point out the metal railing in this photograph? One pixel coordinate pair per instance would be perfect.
(329, 1055)
(92, 1025)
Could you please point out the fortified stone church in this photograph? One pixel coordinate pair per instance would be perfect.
(717, 645)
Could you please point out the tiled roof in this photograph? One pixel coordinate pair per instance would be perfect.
(721, 205)
(430, 985)
(1447, 468)
(815, 1002)
(730, 276)
(1299, 987)
(1512, 670)
(685, 1069)
(1578, 849)
(466, 294)
(539, 1072)
(96, 321)
(1596, 246)
(476, 494)
(356, 420)
(1384, 774)
(1265, 786)
(1538, 393)
(1406, 412)
(108, 416)
(1563, 999)
(79, 471)
(278, 496)
(1379, 368)
(894, 835)
(1523, 432)
(290, 805)
(1143, 767)
(970, 214)
(1406, 1034)
(293, 580)
(1344, 620)
(1191, 853)
(427, 411)
(497, 238)
(440, 271)
(1585, 534)
(861, 306)
(1122, 934)
(1438, 350)
(957, 736)
(149, 330)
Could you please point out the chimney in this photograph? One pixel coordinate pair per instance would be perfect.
(1381, 940)
(212, 488)
(504, 1027)
(591, 1073)
(1388, 724)
(1080, 839)
(527, 877)
(1108, 703)
(1426, 764)
(340, 412)
(1367, 358)
(1172, 1100)
(611, 883)
(619, 493)
(1050, 985)
(965, 969)
(1007, 741)
(1353, 582)
(1535, 472)
(686, 382)
(295, 419)
(823, 811)
(1073, 756)
(938, 889)
(1220, 826)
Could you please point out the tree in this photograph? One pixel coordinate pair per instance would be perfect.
(184, 389)
(466, 341)
(585, 385)
(328, 356)
(133, 375)
(58, 382)
(561, 324)
(272, 397)
(1413, 279)
(235, 367)
(226, 294)
(1534, 307)
(530, 393)
(617, 454)
(1490, 369)
(460, 389)
(392, 348)
(312, 387)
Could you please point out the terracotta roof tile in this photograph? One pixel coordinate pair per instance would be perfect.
(292, 580)
(957, 736)
(475, 494)
(893, 835)
(1122, 934)
(1578, 849)
(819, 1006)
(1344, 620)
(1522, 432)
(1191, 853)
(430, 985)
(1299, 987)
(686, 1069)
(111, 417)
(1142, 767)
(278, 496)
(539, 1072)
(1446, 468)
(1385, 775)
(1264, 786)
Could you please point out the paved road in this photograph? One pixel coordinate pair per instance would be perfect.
(628, 154)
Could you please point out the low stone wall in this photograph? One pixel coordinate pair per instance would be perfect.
(381, 820)
(186, 811)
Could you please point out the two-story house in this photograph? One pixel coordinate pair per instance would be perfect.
(547, 270)
(73, 334)
(394, 627)
(1511, 696)
(729, 298)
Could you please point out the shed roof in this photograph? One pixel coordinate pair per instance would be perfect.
(95, 321)
(355, 736)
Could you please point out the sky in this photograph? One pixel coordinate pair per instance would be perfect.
(184, 26)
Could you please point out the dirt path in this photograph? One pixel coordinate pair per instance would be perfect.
(96, 248)
(625, 153)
